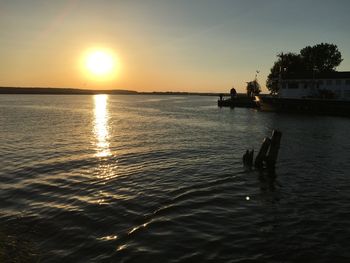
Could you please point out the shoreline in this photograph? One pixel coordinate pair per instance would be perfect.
(72, 91)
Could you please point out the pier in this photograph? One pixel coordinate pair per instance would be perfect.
(240, 100)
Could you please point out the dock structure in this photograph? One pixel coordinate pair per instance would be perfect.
(240, 100)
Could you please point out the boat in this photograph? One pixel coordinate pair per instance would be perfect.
(326, 94)
(304, 105)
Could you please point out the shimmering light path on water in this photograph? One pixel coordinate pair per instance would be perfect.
(160, 179)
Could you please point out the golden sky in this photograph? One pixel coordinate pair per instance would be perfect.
(199, 46)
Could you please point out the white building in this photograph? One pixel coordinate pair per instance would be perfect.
(333, 85)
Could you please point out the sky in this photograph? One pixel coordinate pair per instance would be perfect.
(162, 45)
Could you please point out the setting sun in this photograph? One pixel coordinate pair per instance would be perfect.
(100, 64)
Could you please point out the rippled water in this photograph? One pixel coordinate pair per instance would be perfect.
(160, 179)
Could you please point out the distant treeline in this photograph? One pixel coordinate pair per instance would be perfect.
(58, 91)
(180, 93)
(70, 91)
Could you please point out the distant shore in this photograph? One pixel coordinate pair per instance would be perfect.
(71, 91)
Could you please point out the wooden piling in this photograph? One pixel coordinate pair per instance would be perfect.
(251, 158)
(248, 158)
(261, 157)
(273, 151)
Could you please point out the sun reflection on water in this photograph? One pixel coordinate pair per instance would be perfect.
(101, 125)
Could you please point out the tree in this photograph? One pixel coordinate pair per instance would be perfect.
(253, 88)
(321, 58)
(286, 64)
(316, 59)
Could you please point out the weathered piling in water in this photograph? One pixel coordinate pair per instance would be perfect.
(273, 151)
(261, 157)
(267, 155)
(248, 158)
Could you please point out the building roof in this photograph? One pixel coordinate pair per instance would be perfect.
(326, 75)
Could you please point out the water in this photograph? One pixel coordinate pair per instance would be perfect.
(160, 179)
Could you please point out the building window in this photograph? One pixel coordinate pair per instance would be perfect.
(293, 85)
(347, 82)
(305, 86)
(320, 82)
(329, 82)
(338, 82)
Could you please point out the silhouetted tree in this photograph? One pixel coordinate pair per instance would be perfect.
(317, 59)
(289, 63)
(321, 58)
(253, 88)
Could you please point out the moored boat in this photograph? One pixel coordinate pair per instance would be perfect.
(327, 94)
(305, 105)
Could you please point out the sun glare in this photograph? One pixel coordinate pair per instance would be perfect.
(101, 125)
(100, 64)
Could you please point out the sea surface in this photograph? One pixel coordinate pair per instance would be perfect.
(143, 178)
